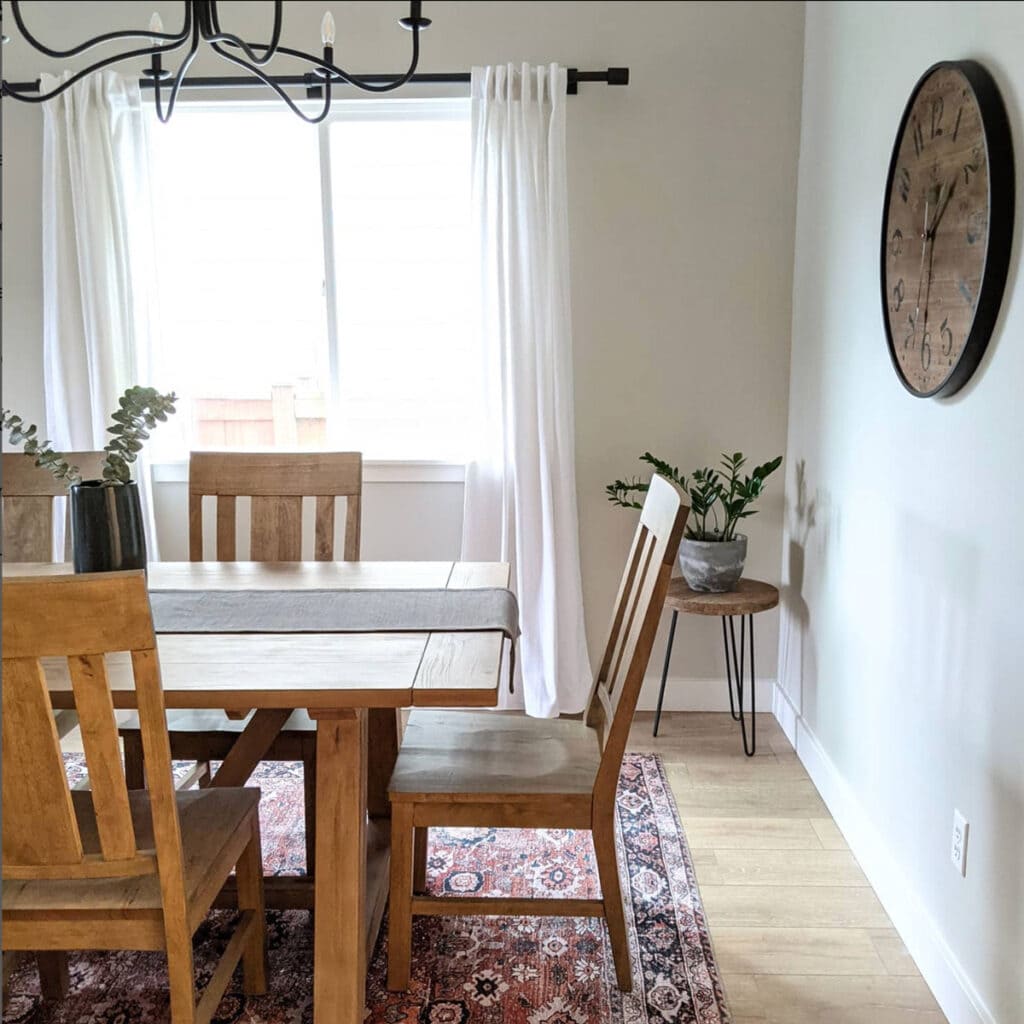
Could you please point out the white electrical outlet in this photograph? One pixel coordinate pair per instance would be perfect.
(958, 853)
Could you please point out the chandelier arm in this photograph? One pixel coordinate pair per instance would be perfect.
(179, 77)
(352, 79)
(215, 35)
(266, 80)
(174, 40)
(42, 97)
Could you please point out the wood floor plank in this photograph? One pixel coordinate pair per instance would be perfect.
(726, 771)
(828, 832)
(751, 834)
(775, 906)
(894, 954)
(780, 744)
(745, 1002)
(703, 724)
(726, 745)
(793, 799)
(799, 999)
(783, 868)
(796, 951)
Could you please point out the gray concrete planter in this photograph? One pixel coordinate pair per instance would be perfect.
(713, 566)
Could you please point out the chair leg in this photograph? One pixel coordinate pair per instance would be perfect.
(419, 860)
(54, 980)
(400, 899)
(249, 875)
(204, 774)
(309, 792)
(611, 892)
(134, 771)
(181, 978)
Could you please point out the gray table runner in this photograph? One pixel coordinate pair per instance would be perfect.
(336, 611)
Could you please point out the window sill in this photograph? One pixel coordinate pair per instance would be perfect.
(375, 471)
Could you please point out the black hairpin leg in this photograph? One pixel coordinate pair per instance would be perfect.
(735, 671)
(664, 671)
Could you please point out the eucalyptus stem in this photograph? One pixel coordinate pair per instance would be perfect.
(139, 410)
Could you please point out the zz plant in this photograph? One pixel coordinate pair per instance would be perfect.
(719, 498)
(139, 411)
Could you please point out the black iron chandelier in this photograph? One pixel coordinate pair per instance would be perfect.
(202, 25)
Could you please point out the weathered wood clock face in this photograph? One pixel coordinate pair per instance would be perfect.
(947, 227)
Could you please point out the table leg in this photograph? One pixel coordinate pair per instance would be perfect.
(339, 940)
(735, 669)
(383, 752)
(664, 671)
(731, 665)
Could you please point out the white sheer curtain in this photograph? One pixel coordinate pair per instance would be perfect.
(97, 262)
(520, 503)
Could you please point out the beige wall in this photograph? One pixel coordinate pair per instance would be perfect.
(900, 642)
(682, 209)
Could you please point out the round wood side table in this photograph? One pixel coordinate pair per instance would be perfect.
(749, 598)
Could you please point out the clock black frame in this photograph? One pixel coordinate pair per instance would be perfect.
(1001, 208)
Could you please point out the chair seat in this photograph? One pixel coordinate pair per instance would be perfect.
(210, 821)
(474, 757)
(206, 720)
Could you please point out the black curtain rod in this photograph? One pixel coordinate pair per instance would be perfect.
(311, 83)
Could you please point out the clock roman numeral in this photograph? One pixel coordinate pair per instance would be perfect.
(956, 127)
(918, 136)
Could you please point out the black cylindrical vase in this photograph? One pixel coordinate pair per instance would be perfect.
(106, 527)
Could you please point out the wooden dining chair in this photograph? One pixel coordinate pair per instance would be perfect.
(29, 499)
(29, 505)
(276, 483)
(468, 769)
(107, 868)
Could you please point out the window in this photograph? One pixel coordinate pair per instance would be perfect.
(314, 285)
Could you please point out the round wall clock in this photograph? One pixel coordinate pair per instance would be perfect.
(947, 227)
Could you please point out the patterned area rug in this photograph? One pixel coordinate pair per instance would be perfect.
(471, 970)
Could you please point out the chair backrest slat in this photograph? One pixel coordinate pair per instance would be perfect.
(226, 529)
(98, 725)
(39, 824)
(635, 600)
(80, 619)
(634, 625)
(323, 540)
(276, 529)
(29, 494)
(276, 483)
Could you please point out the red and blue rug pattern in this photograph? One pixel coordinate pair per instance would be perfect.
(469, 970)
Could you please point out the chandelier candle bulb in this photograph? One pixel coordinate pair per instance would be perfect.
(327, 29)
(156, 23)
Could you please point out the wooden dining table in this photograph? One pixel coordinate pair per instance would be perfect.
(351, 684)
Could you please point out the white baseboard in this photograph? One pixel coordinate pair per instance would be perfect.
(945, 975)
(699, 694)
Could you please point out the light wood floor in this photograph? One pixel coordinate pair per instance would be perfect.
(799, 934)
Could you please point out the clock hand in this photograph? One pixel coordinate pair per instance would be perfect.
(949, 186)
(928, 287)
(920, 276)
